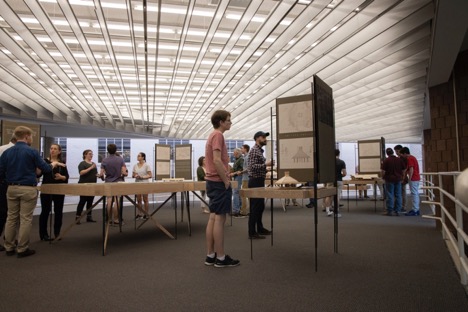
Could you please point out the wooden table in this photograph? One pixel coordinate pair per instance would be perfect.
(358, 182)
(305, 192)
(125, 189)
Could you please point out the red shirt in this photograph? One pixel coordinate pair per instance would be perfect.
(413, 162)
(215, 142)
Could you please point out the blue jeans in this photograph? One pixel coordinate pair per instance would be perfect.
(414, 189)
(394, 199)
(236, 206)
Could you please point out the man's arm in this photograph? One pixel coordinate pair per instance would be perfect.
(220, 167)
(410, 173)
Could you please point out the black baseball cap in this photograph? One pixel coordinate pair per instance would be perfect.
(261, 133)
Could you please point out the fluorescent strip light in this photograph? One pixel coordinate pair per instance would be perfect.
(175, 10)
(109, 5)
(70, 41)
(60, 22)
(29, 20)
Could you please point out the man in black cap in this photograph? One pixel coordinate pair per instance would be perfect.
(257, 168)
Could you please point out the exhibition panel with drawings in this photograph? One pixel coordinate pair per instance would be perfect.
(371, 154)
(183, 161)
(162, 161)
(295, 135)
(306, 135)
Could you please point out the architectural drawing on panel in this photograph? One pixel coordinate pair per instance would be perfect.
(296, 153)
(295, 117)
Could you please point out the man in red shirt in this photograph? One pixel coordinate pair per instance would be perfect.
(218, 190)
(412, 170)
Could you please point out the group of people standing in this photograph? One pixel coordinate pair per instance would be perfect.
(398, 169)
(21, 168)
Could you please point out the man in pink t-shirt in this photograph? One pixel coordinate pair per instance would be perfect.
(412, 170)
(218, 190)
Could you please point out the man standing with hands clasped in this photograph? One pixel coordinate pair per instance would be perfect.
(218, 190)
(18, 167)
(257, 168)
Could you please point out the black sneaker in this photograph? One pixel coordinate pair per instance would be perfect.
(10, 253)
(26, 253)
(264, 232)
(227, 262)
(210, 261)
(256, 236)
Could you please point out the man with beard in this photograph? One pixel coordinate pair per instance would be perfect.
(257, 168)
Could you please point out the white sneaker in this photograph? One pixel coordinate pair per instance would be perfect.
(329, 213)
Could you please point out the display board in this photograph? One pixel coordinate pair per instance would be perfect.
(183, 161)
(295, 137)
(8, 128)
(162, 159)
(371, 153)
(324, 113)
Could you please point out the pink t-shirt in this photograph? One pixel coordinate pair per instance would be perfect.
(215, 142)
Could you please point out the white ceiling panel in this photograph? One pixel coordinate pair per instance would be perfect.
(163, 70)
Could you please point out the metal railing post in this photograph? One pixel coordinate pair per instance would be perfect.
(441, 200)
(460, 241)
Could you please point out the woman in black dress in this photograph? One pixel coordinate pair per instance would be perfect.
(88, 174)
(57, 175)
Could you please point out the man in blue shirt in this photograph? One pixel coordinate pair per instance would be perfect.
(3, 192)
(18, 167)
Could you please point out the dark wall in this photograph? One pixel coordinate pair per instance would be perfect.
(446, 143)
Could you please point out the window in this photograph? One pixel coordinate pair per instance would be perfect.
(123, 148)
(231, 146)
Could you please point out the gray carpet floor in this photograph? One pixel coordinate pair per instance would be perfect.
(383, 264)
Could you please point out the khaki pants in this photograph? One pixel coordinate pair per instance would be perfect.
(21, 203)
(245, 202)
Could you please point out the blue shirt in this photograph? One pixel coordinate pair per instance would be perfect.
(18, 164)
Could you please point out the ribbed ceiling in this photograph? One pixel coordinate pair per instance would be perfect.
(163, 68)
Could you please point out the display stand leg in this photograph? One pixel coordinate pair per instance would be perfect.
(335, 224)
(104, 221)
(271, 229)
